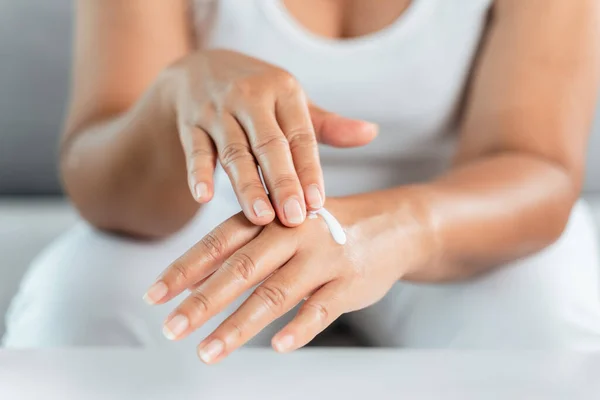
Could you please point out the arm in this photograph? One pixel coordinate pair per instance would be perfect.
(521, 157)
(150, 116)
(517, 175)
(110, 163)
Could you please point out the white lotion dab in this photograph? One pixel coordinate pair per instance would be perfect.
(335, 228)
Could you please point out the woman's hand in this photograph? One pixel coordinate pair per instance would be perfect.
(292, 264)
(251, 114)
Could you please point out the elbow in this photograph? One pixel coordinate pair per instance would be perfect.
(559, 208)
(106, 206)
(557, 224)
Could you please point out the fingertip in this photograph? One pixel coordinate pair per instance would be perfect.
(293, 212)
(344, 132)
(176, 326)
(202, 192)
(156, 294)
(261, 212)
(371, 128)
(315, 198)
(366, 132)
(211, 351)
(283, 343)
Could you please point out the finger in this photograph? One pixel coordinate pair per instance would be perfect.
(337, 131)
(201, 156)
(317, 313)
(239, 164)
(239, 273)
(200, 282)
(272, 299)
(202, 259)
(272, 150)
(294, 119)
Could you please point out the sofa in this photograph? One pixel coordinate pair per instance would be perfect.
(35, 38)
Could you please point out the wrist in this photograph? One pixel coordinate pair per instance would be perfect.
(397, 223)
(417, 213)
(160, 113)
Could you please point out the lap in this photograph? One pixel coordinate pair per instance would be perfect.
(86, 289)
(548, 300)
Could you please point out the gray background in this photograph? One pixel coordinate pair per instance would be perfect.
(35, 40)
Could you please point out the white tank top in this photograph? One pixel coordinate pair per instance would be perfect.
(409, 77)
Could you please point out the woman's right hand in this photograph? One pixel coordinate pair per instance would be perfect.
(249, 114)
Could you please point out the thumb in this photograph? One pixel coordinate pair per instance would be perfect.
(337, 131)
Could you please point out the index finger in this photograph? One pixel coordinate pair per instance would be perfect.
(272, 151)
(202, 259)
(244, 269)
(294, 119)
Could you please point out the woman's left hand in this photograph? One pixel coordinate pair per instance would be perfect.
(293, 264)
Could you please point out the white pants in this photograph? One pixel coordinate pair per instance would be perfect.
(87, 287)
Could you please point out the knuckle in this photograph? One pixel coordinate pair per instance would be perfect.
(250, 186)
(167, 75)
(319, 309)
(200, 152)
(200, 164)
(308, 171)
(270, 143)
(193, 115)
(214, 244)
(235, 152)
(284, 181)
(241, 266)
(236, 329)
(285, 80)
(244, 88)
(199, 302)
(205, 113)
(180, 271)
(273, 297)
(301, 138)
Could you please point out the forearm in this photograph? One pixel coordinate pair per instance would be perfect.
(126, 172)
(474, 218)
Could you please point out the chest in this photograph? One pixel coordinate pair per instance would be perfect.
(409, 76)
(341, 19)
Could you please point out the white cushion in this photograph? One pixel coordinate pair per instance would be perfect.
(26, 227)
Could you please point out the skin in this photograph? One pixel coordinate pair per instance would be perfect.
(517, 174)
(157, 121)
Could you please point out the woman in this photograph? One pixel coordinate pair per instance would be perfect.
(463, 224)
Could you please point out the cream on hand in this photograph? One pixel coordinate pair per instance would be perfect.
(335, 228)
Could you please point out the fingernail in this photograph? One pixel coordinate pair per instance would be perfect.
(211, 351)
(373, 126)
(293, 211)
(201, 191)
(313, 195)
(176, 326)
(284, 344)
(261, 208)
(156, 293)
